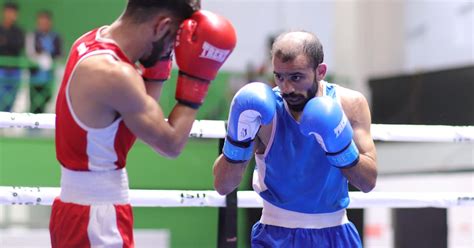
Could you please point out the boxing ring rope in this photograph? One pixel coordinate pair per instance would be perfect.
(249, 199)
(245, 199)
(217, 129)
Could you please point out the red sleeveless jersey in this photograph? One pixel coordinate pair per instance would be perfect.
(79, 147)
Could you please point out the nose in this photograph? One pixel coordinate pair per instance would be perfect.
(286, 87)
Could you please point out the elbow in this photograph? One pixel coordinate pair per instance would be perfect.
(222, 189)
(174, 151)
(172, 154)
(369, 185)
(170, 144)
(168, 151)
(174, 148)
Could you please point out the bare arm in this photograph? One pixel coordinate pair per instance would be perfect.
(364, 174)
(154, 89)
(227, 176)
(121, 88)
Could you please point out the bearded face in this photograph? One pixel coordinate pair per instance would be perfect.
(297, 101)
(161, 49)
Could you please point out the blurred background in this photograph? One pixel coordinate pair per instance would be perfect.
(412, 59)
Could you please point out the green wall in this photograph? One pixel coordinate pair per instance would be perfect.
(71, 18)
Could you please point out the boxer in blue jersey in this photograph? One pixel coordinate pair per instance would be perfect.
(310, 138)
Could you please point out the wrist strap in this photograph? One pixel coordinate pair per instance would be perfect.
(160, 72)
(192, 105)
(190, 90)
(237, 152)
(346, 158)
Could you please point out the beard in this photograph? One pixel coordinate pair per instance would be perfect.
(296, 102)
(156, 53)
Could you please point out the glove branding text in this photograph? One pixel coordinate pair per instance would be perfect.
(213, 53)
(341, 126)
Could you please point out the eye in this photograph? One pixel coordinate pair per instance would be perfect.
(278, 77)
(295, 78)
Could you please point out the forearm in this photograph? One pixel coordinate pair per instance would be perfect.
(166, 137)
(154, 89)
(227, 176)
(363, 175)
(181, 120)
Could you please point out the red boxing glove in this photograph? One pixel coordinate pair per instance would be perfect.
(203, 44)
(161, 71)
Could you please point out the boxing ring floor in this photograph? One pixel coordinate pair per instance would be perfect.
(384, 197)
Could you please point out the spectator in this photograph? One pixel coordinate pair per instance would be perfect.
(11, 44)
(43, 46)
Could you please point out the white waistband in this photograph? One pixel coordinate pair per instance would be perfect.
(94, 187)
(273, 215)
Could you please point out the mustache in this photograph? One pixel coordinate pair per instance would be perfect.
(292, 95)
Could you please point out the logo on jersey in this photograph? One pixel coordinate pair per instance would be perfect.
(82, 48)
(213, 53)
(341, 126)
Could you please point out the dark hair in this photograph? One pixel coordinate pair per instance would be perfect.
(308, 44)
(10, 5)
(46, 13)
(140, 11)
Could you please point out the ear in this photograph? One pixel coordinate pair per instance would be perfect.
(161, 27)
(321, 71)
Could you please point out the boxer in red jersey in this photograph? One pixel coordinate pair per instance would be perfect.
(104, 103)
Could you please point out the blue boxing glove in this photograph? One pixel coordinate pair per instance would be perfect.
(253, 105)
(324, 118)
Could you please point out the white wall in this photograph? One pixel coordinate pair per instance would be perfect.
(368, 40)
(361, 38)
(396, 157)
(255, 20)
(438, 34)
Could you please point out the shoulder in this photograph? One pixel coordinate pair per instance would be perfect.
(349, 96)
(107, 68)
(104, 73)
(353, 102)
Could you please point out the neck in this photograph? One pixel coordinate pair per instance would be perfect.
(296, 115)
(320, 88)
(127, 38)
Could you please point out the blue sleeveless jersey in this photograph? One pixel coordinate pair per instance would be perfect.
(297, 175)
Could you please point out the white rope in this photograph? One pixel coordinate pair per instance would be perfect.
(422, 133)
(246, 199)
(200, 129)
(27, 120)
(217, 129)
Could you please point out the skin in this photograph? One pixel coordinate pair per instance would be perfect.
(102, 89)
(297, 76)
(9, 17)
(43, 23)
